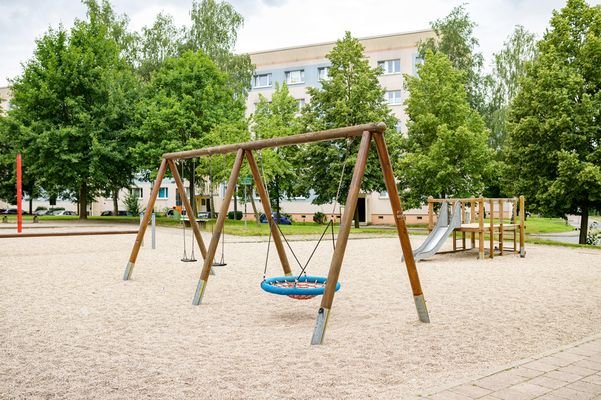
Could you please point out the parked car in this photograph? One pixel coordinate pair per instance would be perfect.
(10, 211)
(41, 212)
(64, 212)
(107, 213)
(284, 220)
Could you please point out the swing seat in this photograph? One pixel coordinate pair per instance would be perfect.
(299, 288)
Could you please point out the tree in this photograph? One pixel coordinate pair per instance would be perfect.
(73, 102)
(352, 95)
(277, 118)
(185, 100)
(455, 38)
(509, 68)
(214, 30)
(156, 43)
(554, 151)
(446, 150)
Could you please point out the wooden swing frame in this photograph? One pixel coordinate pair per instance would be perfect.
(245, 150)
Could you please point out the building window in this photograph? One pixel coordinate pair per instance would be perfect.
(300, 103)
(294, 77)
(417, 60)
(390, 66)
(262, 80)
(383, 195)
(138, 192)
(324, 73)
(163, 193)
(393, 97)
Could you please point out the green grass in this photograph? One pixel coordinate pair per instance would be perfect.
(538, 225)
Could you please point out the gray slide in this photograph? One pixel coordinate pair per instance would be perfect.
(440, 233)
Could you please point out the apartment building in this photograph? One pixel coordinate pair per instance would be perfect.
(302, 67)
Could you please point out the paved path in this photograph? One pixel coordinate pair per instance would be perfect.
(571, 372)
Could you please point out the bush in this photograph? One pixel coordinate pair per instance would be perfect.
(319, 218)
(132, 203)
(230, 215)
(40, 208)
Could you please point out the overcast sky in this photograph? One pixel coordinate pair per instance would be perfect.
(273, 24)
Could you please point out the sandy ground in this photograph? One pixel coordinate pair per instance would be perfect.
(70, 327)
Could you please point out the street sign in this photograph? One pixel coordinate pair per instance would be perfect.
(247, 180)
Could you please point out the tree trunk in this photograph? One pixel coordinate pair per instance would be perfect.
(583, 225)
(254, 206)
(115, 196)
(30, 204)
(356, 217)
(83, 201)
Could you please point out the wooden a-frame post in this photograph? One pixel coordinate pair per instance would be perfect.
(401, 227)
(140, 237)
(343, 234)
(150, 207)
(225, 205)
(275, 232)
(188, 207)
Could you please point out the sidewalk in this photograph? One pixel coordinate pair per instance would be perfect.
(571, 372)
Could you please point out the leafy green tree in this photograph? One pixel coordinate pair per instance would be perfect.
(352, 95)
(214, 30)
(185, 100)
(509, 68)
(446, 150)
(455, 38)
(276, 118)
(156, 43)
(554, 152)
(73, 101)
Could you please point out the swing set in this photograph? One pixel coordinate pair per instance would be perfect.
(300, 286)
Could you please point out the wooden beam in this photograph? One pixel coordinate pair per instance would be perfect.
(341, 242)
(401, 226)
(330, 134)
(275, 234)
(149, 209)
(208, 261)
(182, 194)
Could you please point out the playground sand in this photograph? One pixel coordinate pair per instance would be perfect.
(70, 327)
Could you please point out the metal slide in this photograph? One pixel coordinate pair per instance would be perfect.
(440, 233)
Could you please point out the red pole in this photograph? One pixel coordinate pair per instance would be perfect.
(19, 196)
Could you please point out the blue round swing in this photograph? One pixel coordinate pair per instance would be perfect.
(297, 287)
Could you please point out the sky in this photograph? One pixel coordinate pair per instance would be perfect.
(272, 24)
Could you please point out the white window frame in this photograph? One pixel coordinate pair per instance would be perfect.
(392, 99)
(165, 194)
(257, 78)
(389, 66)
(291, 78)
(301, 103)
(323, 73)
